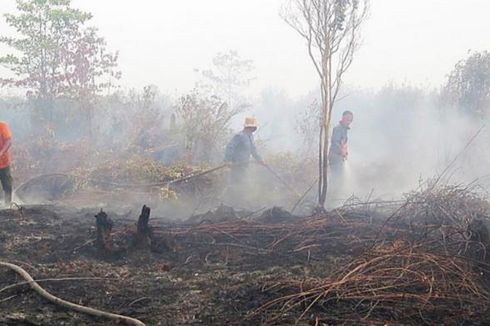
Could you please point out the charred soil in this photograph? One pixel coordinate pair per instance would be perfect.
(419, 261)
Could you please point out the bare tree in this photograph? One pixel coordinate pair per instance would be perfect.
(331, 29)
(227, 78)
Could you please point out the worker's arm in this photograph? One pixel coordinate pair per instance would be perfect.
(344, 151)
(7, 138)
(5, 147)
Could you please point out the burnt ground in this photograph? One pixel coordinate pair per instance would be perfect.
(206, 273)
(236, 268)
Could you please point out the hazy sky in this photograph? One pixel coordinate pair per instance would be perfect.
(161, 42)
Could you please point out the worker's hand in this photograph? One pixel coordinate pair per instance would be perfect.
(261, 162)
(344, 152)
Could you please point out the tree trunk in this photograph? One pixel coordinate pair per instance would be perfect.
(143, 233)
(104, 236)
(324, 135)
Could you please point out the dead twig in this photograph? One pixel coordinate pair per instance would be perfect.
(55, 280)
(138, 300)
(8, 298)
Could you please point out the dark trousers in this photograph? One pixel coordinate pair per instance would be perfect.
(6, 179)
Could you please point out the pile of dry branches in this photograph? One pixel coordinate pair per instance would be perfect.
(426, 264)
(391, 284)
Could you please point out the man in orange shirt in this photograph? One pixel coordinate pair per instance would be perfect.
(5, 160)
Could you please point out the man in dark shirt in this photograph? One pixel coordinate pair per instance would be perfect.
(239, 150)
(338, 151)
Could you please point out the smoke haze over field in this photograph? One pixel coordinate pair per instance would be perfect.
(402, 133)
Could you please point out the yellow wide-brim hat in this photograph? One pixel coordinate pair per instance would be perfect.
(250, 122)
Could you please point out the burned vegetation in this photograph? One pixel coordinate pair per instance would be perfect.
(422, 260)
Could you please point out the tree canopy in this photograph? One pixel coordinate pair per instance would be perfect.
(55, 53)
(468, 85)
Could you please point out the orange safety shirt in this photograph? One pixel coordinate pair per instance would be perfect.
(5, 135)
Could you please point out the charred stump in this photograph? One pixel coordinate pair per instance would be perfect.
(143, 231)
(104, 236)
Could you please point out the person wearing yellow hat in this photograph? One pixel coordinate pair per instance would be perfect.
(239, 150)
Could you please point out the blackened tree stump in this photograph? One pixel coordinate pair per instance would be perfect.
(143, 232)
(104, 236)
